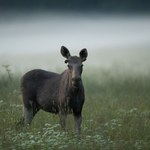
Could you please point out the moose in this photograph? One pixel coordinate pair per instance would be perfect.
(55, 93)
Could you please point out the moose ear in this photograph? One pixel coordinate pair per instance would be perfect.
(83, 54)
(65, 52)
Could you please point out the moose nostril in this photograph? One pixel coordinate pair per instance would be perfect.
(76, 79)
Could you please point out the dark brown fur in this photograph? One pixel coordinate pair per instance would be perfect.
(56, 93)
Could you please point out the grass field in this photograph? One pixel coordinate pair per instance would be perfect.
(116, 115)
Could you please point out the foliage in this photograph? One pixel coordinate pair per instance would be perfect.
(116, 115)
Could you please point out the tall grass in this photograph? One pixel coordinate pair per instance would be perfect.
(116, 115)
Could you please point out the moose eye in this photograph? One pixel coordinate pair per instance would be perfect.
(70, 67)
(81, 66)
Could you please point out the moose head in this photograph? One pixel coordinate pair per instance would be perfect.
(75, 65)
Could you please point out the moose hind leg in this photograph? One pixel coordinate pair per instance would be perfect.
(28, 115)
(29, 112)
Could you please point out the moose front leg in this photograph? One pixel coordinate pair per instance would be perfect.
(78, 120)
(63, 120)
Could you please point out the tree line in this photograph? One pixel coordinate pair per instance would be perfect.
(79, 5)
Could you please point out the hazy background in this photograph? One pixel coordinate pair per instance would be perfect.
(116, 33)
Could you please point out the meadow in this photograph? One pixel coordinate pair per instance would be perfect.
(116, 115)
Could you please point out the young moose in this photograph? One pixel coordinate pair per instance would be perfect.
(56, 93)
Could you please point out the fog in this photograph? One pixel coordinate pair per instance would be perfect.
(34, 39)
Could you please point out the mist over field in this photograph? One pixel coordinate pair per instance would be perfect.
(33, 39)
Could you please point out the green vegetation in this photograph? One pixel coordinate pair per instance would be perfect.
(116, 115)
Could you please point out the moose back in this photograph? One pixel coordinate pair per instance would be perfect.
(56, 93)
